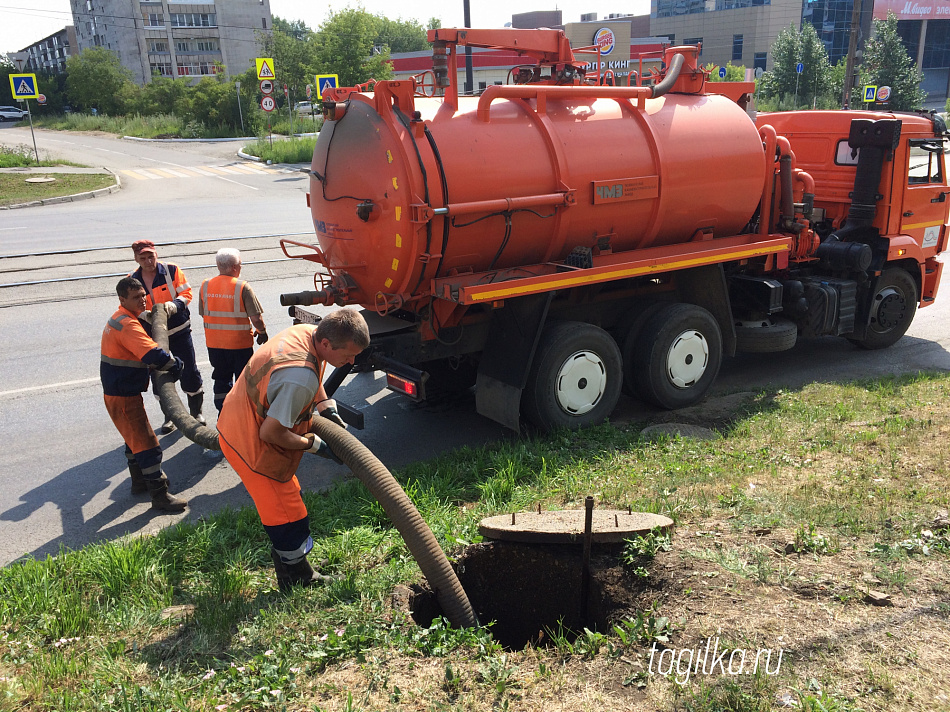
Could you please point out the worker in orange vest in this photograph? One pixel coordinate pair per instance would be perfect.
(165, 283)
(127, 356)
(229, 307)
(265, 428)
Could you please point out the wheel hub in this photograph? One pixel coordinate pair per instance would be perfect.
(581, 382)
(687, 359)
(891, 309)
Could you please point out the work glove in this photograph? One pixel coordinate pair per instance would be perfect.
(173, 368)
(146, 316)
(327, 409)
(320, 447)
(261, 338)
(171, 308)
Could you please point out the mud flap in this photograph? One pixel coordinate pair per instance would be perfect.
(505, 362)
(706, 287)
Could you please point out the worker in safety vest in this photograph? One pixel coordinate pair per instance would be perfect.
(128, 354)
(229, 307)
(165, 283)
(265, 428)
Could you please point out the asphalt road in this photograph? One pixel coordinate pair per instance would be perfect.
(63, 481)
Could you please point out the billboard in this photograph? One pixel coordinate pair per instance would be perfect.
(913, 9)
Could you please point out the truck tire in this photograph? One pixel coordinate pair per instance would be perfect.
(628, 334)
(575, 378)
(892, 309)
(780, 335)
(678, 356)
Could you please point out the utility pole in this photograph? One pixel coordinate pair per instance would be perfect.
(469, 79)
(852, 50)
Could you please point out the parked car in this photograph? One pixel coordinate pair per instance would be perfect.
(304, 109)
(11, 113)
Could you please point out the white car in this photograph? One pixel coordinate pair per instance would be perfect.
(11, 113)
(303, 109)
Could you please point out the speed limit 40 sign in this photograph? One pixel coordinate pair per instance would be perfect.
(268, 103)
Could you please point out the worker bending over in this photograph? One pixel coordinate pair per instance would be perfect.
(165, 283)
(229, 307)
(265, 427)
(128, 353)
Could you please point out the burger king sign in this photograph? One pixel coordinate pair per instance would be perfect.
(604, 38)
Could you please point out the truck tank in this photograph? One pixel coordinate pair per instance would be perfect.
(528, 175)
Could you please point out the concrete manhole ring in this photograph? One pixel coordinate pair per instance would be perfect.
(609, 526)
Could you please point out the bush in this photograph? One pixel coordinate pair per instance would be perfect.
(289, 150)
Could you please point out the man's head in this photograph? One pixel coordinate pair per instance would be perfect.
(341, 336)
(228, 261)
(145, 254)
(131, 294)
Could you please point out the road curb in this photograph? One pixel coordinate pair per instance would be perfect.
(188, 140)
(75, 197)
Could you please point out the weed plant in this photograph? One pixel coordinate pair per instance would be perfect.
(191, 619)
(22, 155)
(291, 150)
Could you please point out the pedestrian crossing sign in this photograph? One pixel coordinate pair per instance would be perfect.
(23, 86)
(265, 68)
(325, 82)
(870, 91)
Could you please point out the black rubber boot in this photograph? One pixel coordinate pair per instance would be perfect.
(161, 499)
(195, 403)
(139, 483)
(298, 574)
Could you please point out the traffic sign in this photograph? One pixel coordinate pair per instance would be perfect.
(268, 104)
(870, 91)
(325, 82)
(722, 72)
(23, 86)
(265, 67)
(267, 87)
(799, 67)
(883, 93)
(41, 99)
(309, 91)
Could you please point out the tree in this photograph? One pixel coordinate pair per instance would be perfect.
(95, 78)
(791, 48)
(733, 73)
(293, 47)
(346, 41)
(886, 63)
(401, 35)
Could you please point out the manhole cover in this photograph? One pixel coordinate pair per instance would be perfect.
(609, 526)
(41, 179)
(684, 430)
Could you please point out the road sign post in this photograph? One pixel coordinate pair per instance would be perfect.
(237, 89)
(23, 88)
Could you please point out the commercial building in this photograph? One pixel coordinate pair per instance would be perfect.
(50, 53)
(173, 38)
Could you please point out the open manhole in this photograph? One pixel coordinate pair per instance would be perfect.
(531, 577)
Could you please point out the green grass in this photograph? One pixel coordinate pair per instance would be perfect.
(85, 630)
(158, 126)
(21, 156)
(291, 150)
(15, 190)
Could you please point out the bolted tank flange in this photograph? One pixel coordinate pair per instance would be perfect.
(609, 526)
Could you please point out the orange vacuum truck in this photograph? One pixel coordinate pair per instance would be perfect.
(556, 240)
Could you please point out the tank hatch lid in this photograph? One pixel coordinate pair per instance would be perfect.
(609, 526)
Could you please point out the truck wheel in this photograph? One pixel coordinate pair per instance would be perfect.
(628, 334)
(575, 377)
(766, 337)
(678, 356)
(892, 309)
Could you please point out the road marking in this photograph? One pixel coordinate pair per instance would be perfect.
(63, 384)
(227, 170)
(164, 173)
(144, 172)
(133, 174)
(200, 171)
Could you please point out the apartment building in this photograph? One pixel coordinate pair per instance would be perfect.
(48, 56)
(173, 38)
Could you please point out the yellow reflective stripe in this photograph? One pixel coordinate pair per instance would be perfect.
(122, 362)
(914, 226)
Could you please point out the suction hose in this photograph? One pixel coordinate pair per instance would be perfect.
(368, 469)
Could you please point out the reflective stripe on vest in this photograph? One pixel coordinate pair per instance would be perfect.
(246, 405)
(115, 322)
(225, 328)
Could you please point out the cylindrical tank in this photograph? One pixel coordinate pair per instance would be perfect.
(679, 168)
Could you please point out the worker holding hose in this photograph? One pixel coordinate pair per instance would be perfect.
(165, 283)
(127, 356)
(229, 307)
(265, 428)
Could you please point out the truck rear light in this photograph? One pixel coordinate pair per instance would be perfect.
(403, 385)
